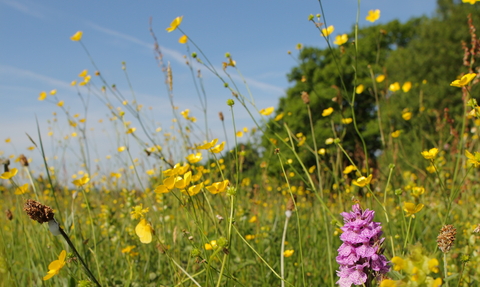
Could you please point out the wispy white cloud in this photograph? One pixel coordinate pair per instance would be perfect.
(23, 8)
(179, 58)
(11, 71)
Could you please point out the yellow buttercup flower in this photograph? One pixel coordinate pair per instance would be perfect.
(175, 23)
(9, 174)
(55, 266)
(473, 159)
(194, 189)
(211, 245)
(394, 87)
(380, 78)
(81, 181)
(430, 154)
(373, 15)
(327, 112)
(341, 39)
(398, 263)
(77, 36)
(194, 157)
(267, 111)
(349, 169)
(183, 39)
(22, 189)
(144, 231)
(279, 117)
(288, 253)
(362, 181)
(208, 145)
(406, 86)
(359, 89)
(122, 148)
(410, 208)
(327, 31)
(406, 115)
(470, 1)
(42, 96)
(218, 187)
(395, 134)
(347, 121)
(218, 148)
(463, 81)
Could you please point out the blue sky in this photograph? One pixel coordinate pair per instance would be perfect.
(37, 54)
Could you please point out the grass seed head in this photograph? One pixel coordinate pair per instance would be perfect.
(37, 211)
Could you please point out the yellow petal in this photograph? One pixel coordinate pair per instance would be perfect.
(183, 39)
(77, 36)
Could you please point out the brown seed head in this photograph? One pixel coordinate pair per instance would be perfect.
(446, 238)
(23, 160)
(37, 211)
(6, 163)
(305, 98)
(9, 214)
(290, 204)
(220, 114)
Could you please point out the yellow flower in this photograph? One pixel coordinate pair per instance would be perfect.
(218, 187)
(267, 111)
(77, 36)
(144, 231)
(327, 31)
(55, 266)
(406, 86)
(195, 189)
(81, 181)
(349, 169)
(417, 191)
(322, 151)
(388, 283)
(131, 130)
(249, 237)
(218, 148)
(312, 169)
(430, 154)
(473, 159)
(410, 208)
(373, 15)
(211, 245)
(464, 80)
(182, 183)
(329, 141)
(60, 104)
(398, 263)
(9, 174)
(128, 249)
(327, 112)
(122, 148)
(341, 39)
(406, 115)
(194, 158)
(239, 134)
(394, 87)
(380, 78)
(279, 117)
(83, 74)
(42, 96)
(208, 145)
(253, 219)
(433, 265)
(362, 181)
(138, 212)
(175, 23)
(22, 189)
(471, 2)
(347, 121)
(430, 169)
(359, 89)
(395, 134)
(183, 39)
(288, 253)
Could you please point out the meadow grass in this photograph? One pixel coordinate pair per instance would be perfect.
(200, 217)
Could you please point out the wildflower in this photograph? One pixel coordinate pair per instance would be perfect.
(398, 263)
(373, 15)
(9, 174)
(470, 1)
(38, 212)
(329, 141)
(380, 78)
(430, 154)
(406, 87)
(279, 117)
(341, 39)
(122, 148)
(194, 158)
(359, 89)
(288, 253)
(218, 148)
(22, 189)
(175, 23)
(347, 121)
(144, 231)
(128, 249)
(138, 211)
(463, 81)
(130, 130)
(417, 191)
(253, 219)
(218, 187)
(406, 115)
(473, 159)
(183, 39)
(42, 96)
(211, 245)
(360, 255)
(395, 134)
(327, 112)
(81, 181)
(267, 111)
(208, 145)
(327, 31)
(410, 208)
(394, 87)
(55, 266)
(433, 265)
(349, 169)
(249, 237)
(77, 36)
(362, 181)
(446, 238)
(194, 189)
(388, 283)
